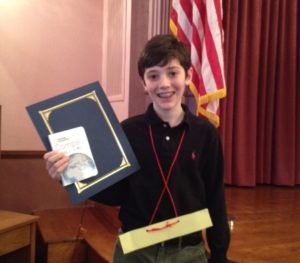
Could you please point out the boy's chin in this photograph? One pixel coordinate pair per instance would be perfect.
(169, 106)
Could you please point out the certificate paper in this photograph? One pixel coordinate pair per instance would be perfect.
(176, 227)
(74, 144)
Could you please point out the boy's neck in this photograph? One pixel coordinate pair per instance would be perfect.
(173, 117)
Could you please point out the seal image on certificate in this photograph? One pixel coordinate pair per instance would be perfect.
(79, 164)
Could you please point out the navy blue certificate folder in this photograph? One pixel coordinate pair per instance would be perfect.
(89, 107)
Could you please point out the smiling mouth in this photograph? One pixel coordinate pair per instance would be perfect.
(166, 95)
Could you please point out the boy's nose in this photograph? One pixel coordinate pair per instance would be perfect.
(164, 81)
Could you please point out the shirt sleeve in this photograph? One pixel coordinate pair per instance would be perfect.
(113, 195)
(218, 236)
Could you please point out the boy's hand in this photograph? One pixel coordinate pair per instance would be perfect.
(56, 162)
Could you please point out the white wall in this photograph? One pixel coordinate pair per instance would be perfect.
(49, 47)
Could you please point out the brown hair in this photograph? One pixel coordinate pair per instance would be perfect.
(160, 49)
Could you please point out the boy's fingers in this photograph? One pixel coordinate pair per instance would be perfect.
(53, 156)
(48, 155)
(56, 172)
(56, 162)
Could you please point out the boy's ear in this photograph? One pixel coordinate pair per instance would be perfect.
(189, 76)
(143, 84)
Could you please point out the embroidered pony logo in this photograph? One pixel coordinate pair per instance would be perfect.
(193, 155)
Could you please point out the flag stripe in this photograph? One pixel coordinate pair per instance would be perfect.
(187, 8)
(183, 30)
(211, 52)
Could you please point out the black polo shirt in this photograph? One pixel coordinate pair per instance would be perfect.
(196, 181)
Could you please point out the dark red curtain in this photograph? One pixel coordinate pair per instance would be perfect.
(260, 117)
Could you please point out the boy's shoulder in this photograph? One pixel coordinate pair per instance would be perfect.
(197, 124)
(134, 124)
(200, 122)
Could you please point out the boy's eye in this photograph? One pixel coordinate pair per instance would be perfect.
(173, 73)
(152, 76)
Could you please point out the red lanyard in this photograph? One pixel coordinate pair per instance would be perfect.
(165, 179)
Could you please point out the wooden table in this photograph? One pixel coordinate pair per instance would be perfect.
(17, 231)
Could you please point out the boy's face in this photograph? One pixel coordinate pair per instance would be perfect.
(166, 85)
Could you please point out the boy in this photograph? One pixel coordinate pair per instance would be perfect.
(181, 163)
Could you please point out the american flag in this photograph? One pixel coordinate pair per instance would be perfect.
(198, 23)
